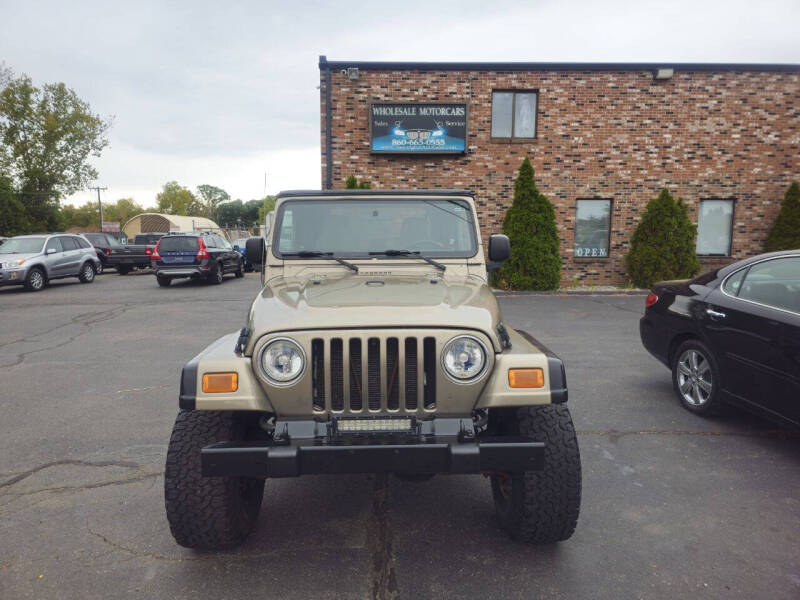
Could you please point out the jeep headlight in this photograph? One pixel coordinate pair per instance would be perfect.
(464, 358)
(282, 361)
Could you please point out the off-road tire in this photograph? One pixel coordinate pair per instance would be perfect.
(216, 275)
(207, 512)
(163, 281)
(123, 269)
(34, 284)
(84, 276)
(714, 405)
(542, 507)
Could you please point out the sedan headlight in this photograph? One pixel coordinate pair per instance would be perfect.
(282, 361)
(464, 358)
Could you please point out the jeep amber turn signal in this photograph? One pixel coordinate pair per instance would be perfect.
(525, 378)
(219, 383)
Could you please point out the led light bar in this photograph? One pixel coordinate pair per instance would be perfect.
(378, 425)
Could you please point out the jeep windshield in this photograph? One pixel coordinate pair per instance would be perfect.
(441, 228)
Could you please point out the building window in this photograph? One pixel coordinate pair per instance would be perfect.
(715, 227)
(592, 228)
(514, 114)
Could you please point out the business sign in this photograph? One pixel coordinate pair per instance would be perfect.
(110, 226)
(435, 128)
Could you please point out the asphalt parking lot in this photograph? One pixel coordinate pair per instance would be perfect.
(674, 506)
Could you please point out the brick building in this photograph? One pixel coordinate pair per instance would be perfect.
(603, 139)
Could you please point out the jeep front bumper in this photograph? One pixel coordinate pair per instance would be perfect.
(310, 448)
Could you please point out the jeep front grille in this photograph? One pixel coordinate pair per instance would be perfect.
(381, 373)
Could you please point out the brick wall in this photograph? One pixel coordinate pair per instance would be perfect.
(619, 135)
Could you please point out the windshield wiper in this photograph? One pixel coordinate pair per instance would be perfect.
(415, 254)
(320, 254)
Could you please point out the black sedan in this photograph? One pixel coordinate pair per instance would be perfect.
(732, 336)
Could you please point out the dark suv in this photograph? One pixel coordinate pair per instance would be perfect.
(198, 255)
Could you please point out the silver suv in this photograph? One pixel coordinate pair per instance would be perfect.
(34, 260)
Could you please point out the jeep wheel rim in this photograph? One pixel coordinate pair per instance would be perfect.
(694, 378)
(37, 281)
(88, 273)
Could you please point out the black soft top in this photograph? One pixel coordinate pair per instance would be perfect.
(361, 192)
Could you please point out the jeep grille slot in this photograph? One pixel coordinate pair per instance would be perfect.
(337, 375)
(374, 373)
(429, 372)
(318, 374)
(355, 370)
(392, 374)
(411, 383)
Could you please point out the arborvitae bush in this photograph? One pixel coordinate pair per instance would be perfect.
(663, 243)
(530, 224)
(351, 183)
(785, 234)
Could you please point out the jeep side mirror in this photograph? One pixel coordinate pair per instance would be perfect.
(236, 247)
(499, 248)
(255, 250)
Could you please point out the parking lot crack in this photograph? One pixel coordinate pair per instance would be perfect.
(68, 461)
(86, 321)
(384, 578)
(614, 435)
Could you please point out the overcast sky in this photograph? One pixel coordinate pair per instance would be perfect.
(222, 92)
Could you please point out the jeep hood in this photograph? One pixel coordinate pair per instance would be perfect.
(357, 301)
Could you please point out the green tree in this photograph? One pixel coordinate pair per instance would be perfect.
(250, 212)
(125, 209)
(6, 75)
(47, 136)
(13, 218)
(175, 199)
(210, 197)
(267, 205)
(530, 224)
(785, 234)
(351, 183)
(87, 216)
(663, 243)
(229, 212)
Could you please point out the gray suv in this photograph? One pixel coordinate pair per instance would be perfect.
(34, 260)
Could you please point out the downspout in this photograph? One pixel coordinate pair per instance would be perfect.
(323, 61)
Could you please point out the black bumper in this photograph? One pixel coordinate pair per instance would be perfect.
(427, 454)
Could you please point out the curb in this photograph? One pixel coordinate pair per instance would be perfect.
(561, 293)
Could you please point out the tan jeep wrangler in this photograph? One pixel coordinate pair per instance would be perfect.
(376, 346)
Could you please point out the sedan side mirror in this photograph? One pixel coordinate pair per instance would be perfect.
(255, 250)
(499, 248)
(50, 251)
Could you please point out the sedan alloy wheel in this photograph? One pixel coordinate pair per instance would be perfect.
(695, 381)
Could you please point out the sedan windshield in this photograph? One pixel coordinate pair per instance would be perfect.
(32, 245)
(362, 228)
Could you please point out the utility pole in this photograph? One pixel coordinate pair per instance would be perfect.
(99, 203)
